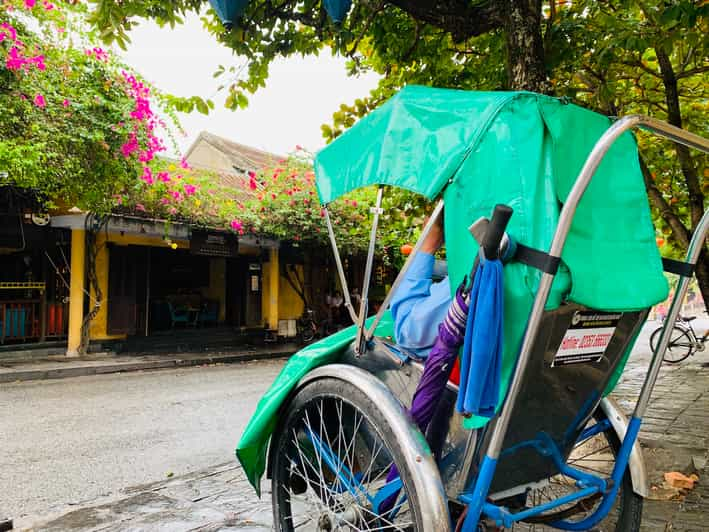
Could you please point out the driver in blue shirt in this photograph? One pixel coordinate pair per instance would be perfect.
(419, 305)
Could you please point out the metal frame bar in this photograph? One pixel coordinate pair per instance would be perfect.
(338, 263)
(695, 248)
(359, 345)
(501, 423)
(435, 215)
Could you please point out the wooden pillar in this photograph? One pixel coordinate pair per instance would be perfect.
(76, 291)
(273, 282)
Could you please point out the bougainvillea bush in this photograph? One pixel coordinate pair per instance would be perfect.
(83, 130)
(70, 111)
(278, 202)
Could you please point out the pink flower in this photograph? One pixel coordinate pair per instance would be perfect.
(130, 146)
(252, 174)
(354, 203)
(48, 5)
(176, 194)
(14, 60)
(66, 103)
(140, 207)
(236, 225)
(147, 175)
(172, 211)
(29, 4)
(38, 61)
(190, 189)
(39, 101)
(184, 164)
(164, 201)
(252, 184)
(8, 33)
(164, 177)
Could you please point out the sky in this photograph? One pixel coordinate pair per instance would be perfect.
(300, 93)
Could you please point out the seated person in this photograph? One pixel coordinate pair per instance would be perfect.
(420, 305)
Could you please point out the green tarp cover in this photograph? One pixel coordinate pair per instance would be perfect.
(479, 149)
(253, 445)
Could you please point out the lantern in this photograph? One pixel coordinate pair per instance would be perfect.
(337, 9)
(229, 10)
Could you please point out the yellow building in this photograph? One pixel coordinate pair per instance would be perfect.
(153, 279)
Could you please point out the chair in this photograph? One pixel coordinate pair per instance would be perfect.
(177, 315)
(209, 313)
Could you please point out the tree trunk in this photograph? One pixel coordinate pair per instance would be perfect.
(689, 170)
(525, 46)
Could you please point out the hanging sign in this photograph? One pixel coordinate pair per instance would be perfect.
(214, 244)
(587, 338)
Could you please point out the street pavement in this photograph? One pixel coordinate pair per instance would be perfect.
(73, 440)
(219, 497)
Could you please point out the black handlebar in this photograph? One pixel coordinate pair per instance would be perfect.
(496, 230)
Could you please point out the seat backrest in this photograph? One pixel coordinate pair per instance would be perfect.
(577, 354)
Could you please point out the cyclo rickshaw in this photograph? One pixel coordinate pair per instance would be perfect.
(339, 433)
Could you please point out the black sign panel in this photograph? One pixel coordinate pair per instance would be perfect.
(214, 244)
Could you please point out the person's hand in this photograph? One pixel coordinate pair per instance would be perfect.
(434, 239)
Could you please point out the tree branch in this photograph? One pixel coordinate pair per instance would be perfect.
(674, 117)
(693, 72)
(663, 207)
(460, 18)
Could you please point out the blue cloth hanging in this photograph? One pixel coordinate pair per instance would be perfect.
(337, 9)
(482, 349)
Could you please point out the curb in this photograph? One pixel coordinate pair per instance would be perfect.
(124, 367)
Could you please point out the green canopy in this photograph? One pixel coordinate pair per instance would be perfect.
(526, 150)
(416, 140)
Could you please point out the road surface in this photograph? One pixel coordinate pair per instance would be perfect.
(72, 440)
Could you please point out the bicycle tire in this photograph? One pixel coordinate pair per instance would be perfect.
(680, 347)
(312, 486)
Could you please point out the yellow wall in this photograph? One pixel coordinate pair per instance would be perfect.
(289, 304)
(98, 330)
(217, 284)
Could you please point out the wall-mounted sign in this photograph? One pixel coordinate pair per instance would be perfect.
(214, 244)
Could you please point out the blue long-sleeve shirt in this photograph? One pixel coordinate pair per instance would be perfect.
(419, 306)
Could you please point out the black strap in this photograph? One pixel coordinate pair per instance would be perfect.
(537, 259)
(678, 267)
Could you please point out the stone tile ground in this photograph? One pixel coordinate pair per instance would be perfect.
(674, 437)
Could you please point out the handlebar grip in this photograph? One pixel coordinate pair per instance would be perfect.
(495, 230)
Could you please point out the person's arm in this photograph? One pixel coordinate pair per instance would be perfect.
(419, 305)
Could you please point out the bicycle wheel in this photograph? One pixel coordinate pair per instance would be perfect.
(307, 332)
(596, 455)
(679, 348)
(330, 461)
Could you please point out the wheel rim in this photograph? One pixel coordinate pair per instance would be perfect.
(597, 456)
(679, 347)
(330, 469)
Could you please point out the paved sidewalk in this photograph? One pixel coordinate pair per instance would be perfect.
(674, 435)
(57, 367)
(674, 438)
